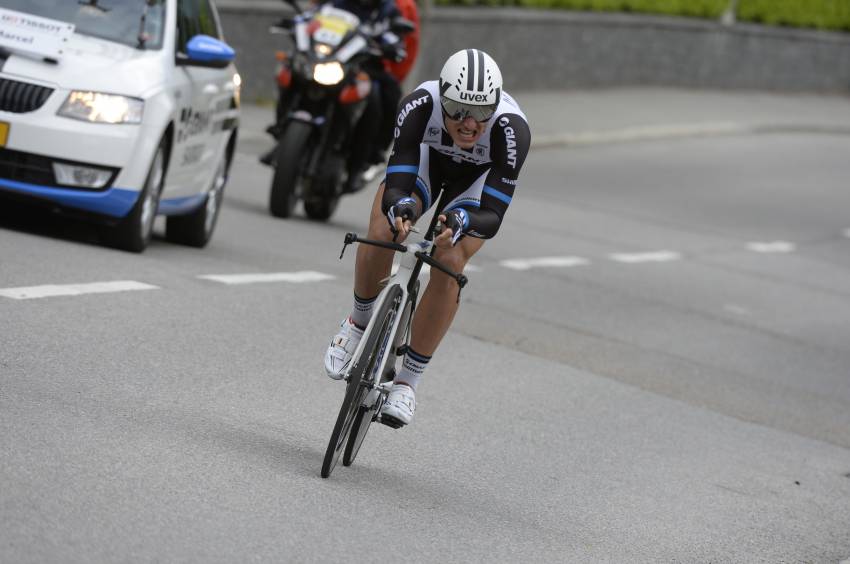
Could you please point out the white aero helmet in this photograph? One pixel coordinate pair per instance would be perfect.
(470, 85)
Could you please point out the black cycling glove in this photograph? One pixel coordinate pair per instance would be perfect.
(392, 47)
(405, 208)
(457, 220)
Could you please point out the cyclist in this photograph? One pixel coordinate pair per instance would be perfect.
(463, 134)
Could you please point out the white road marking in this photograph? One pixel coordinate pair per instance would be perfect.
(543, 262)
(771, 247)
(847, 233)
(296, 277)
(654, 256)
(50, 290)
(737, 310)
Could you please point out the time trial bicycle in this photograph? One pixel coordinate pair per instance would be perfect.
(385, 339)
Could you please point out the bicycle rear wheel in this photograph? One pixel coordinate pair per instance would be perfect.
(365, 415)
(358, 386)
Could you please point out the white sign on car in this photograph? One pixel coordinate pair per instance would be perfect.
(121, 110)
(31, 34)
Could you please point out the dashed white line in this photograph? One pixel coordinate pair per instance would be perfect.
(654, 256)
(295, 277)
(51, 290)
(771, 247)
(543, 262)
(737, 310)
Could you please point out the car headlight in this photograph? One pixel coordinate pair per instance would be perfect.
(328, 73)
(102, 108)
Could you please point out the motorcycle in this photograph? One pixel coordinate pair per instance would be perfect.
(326, 92)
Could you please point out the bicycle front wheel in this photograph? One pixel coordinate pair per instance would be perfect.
(387, 317)
(358, 385)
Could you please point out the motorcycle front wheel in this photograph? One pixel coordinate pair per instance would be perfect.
(322, 203)
(290, 154)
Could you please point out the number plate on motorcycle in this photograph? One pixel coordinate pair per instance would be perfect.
(4, 133)
(331, 30)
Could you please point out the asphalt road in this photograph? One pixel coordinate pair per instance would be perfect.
(673, 387)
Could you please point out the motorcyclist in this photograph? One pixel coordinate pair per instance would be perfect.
(368, 142)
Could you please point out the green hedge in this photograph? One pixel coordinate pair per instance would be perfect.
(822, 14)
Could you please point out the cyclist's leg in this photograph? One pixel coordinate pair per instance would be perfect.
(430, 322)
(438, 305)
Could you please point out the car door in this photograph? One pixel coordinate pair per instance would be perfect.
(203, 95)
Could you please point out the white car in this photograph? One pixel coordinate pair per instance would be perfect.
(118, 110)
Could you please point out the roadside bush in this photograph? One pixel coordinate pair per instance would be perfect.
(822, 14)
(695, 8)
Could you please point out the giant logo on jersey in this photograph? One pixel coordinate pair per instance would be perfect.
(510, 140)
(409, 107)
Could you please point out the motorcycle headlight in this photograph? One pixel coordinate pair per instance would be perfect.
(102, 108)
(328, 73)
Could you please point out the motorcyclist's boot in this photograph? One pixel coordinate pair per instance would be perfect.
(267, 158)
(355, 181)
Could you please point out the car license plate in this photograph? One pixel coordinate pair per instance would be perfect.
(4, 133)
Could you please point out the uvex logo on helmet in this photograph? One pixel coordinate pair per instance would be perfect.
(470, 97)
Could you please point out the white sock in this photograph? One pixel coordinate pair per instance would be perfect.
(362, 312)
(412, 368)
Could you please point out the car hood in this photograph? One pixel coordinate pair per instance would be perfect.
(89, 63)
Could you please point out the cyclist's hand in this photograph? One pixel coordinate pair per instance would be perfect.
(454, 221)
(401, 215)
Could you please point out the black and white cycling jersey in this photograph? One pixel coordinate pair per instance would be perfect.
(481, 180)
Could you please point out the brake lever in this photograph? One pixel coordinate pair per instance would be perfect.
(461, 282)
(349, 239)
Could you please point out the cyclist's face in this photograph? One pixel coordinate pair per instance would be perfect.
(464, 132)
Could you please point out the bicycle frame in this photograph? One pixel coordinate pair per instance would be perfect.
(406, 277)
(384, 338)
(416, 252)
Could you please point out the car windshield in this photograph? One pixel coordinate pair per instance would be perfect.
(137, 23)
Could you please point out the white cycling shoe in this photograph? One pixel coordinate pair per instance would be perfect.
(397, 410)
(341, 349)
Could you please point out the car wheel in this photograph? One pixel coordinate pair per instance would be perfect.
(133, 232)
(196, 229)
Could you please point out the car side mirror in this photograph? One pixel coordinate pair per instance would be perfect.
(206, 51)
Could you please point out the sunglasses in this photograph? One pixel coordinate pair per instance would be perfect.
(459, 111)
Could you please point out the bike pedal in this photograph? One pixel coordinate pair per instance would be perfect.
(391, 422)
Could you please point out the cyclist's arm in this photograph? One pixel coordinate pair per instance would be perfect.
(403, 167)
(510, 140)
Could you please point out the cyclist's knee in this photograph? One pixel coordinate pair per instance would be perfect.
(454, 259)
(458, 256)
